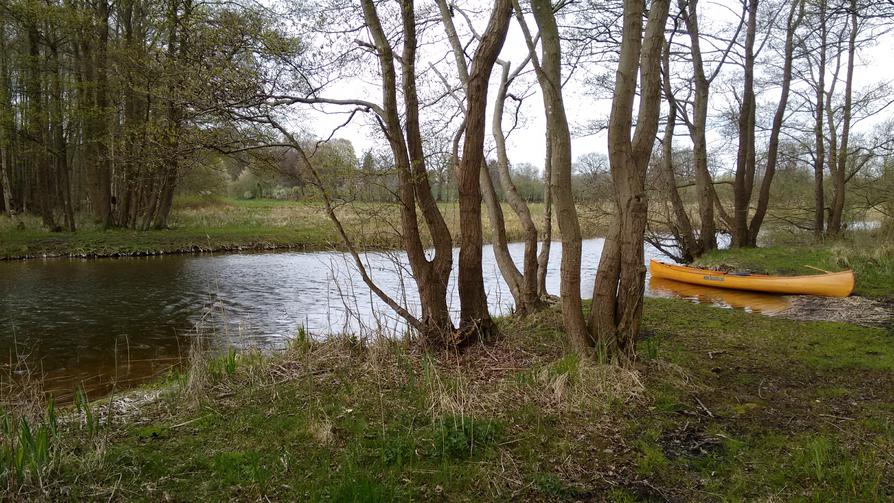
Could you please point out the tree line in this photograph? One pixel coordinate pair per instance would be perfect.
(103, 105)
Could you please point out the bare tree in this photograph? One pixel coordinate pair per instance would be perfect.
(620, 281)
(549, 75)
(745, 155)
(474, 315)
(707, 197)
(793, 21)
(522, 284)
(431, 275)
(687, 243)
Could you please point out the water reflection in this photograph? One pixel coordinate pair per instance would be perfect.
(765, 303)
(120, 321)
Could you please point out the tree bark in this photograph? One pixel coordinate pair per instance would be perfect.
(438, 269)
(60, 148)
(839, 175)
(101, 165)
(530, 301)
(546, 234)
(745, 156)
(522, 284)
(697, 131)
(763, 201)
(819, 203)
(542, 259)
(6, 121)
(37, 127)
(549, 75)
(499, 241)
(620, 281)
(474, 315)
(688, 242)
(431, 276)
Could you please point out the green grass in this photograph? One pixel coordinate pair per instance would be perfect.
(727, 406)
(200, 224)
(872, 262)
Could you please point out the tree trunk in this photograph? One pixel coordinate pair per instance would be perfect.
(839, 178)
(441, 264)
(528, 288)
(542, 259)
(763, 201)
(522, 284)
(546, 235)
(6, 122)
(697, 130)
(819, 206)
(549, 76)
(474, 315)
(620, 281)
(37, 128)
(102, 169)
(745, 158)
(60, 150)
(500, 243)
(688, 242)
(430, 275)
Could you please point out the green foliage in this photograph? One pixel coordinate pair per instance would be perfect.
(84, 407)
(227, 363)
(26, 447)
(650, 347)
(651, 458)
(463, 437)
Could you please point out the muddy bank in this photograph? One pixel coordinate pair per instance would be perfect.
(861, 311)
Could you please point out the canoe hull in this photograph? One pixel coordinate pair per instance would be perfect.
(837, 284)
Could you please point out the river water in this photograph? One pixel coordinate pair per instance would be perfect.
(105, 322)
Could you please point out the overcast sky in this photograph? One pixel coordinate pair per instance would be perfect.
(526, 143)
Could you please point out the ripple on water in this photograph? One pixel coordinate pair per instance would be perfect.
(98, 321)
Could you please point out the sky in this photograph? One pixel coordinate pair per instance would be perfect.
(527, 143)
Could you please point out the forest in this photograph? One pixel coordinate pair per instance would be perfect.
(378, 250)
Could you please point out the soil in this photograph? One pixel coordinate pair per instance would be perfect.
(857, 310)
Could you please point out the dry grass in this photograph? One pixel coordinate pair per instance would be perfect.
(516, 418)
(857, 310)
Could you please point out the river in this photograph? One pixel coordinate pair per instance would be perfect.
(116, 322)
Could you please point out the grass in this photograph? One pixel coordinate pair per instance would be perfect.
(724, 405)
(870, 257)
(200, 224)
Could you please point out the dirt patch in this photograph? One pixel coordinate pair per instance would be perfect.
(689, 440)
(857, 310)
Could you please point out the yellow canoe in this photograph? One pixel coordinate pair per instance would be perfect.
(833, 284)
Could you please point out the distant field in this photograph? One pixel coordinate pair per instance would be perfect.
(221, 224)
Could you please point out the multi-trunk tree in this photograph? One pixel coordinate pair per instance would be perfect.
(617, 304)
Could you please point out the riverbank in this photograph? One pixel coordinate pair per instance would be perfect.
(870, 257)
(214, 224)
(724, 405)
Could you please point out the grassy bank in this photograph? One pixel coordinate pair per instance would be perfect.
(724, 405)
(221, 224)
(871, 260)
